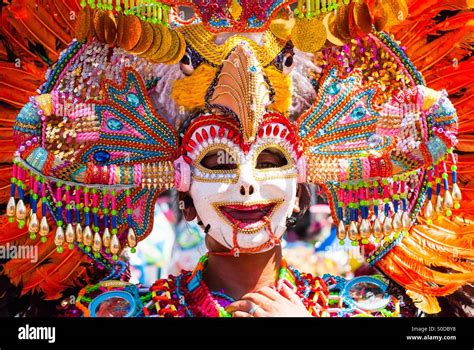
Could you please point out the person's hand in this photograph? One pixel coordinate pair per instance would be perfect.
(267, 302)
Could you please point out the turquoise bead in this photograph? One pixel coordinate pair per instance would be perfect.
(334, 88)
(114, 124)
(358, 113)
(133, 100)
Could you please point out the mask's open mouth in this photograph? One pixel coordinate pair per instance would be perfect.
(247, 216)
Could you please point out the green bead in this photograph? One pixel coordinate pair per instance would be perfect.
(87, 209)
(454, 168)
(88, 249)
(429, 222)
(114, 212)
(59, 249)
(114, 231)
(44, 239)
(107, 251)
(95, 210)
(457, 205)
(59, 222)
(11, 219)
(115, 257)
(96, 255)
(32, 236)
(133, 250)
(444, 175)
(449, 212)
(59, 203)
(35, 196)
(70, 246)
(21, 223)
(129, 211)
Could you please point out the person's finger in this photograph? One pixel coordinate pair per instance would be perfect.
(270, 293)
(289, 294)
(241, 314)
(240, 305)
(258, 299)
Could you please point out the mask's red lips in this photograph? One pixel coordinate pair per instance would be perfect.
(247, 216)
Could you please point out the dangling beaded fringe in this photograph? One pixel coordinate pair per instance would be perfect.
(85, 216)
(376, 211)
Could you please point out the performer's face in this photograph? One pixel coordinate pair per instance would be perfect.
(243, 190)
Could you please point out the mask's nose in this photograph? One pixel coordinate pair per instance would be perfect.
(246, 190)
(247, 184)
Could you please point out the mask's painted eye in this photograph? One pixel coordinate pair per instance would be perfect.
(288, 63)
(218, 159)
(271, 158)
(186, 65)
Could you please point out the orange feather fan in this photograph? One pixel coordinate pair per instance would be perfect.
(32, 33)
(437, 260)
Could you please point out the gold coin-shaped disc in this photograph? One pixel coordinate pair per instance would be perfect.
(180, 52)
(146, 39)
(110, 28)
(120, 24)
(131, 33)
(308, 35)
(155, 45)
(165, 45)
(99, 18)
(83, 23)
(341, 24)
(174, 47)
(327, 23)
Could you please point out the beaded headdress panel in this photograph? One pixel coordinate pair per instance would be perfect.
(99, 142)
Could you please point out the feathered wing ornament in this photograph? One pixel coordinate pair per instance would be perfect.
(32, 34)
(437, 259)
(78, 207)
(384, 151)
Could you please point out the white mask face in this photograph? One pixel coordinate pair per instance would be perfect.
(245, 192)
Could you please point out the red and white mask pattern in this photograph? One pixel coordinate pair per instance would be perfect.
(244, 191)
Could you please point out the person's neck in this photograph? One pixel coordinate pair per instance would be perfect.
(237, 276)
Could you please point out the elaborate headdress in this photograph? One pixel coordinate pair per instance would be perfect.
(100, 140)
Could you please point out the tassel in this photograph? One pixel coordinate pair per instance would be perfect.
(114, 246)
(11, 206)
(79, 233)
(341, 232)
(44, 226)
(97, 244)
(87, 237)
(106, 238)
(132, 239)
(59, 239)
(377, 229)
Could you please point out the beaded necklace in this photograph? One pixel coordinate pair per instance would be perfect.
(199, 301)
